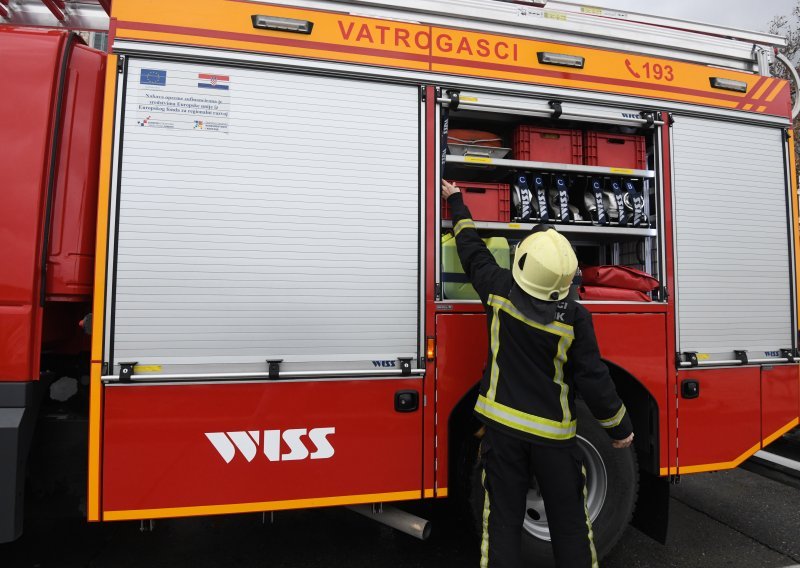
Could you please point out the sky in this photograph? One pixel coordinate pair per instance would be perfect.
(752, 15)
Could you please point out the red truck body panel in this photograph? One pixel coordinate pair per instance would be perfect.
(158, 460)
(462, 350)
(724, 422)
(638, 344)
(32, 61)
(71, 256)
(780, 399)
(739, 411)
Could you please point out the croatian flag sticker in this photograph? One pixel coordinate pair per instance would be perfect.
(208, 81)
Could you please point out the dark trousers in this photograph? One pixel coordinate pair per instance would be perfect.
(509, 464)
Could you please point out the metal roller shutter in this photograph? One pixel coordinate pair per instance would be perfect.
(266, 215)
(733, 249)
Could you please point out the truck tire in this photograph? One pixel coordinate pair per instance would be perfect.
(612, 484)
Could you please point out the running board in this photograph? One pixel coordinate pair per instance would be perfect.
(778, 460)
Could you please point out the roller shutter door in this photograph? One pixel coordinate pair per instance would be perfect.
(733, 270)
(266, 215)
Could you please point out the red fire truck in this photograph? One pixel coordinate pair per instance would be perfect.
(239, 202)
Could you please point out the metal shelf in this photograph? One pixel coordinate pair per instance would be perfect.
(568, 229)
(548, 166)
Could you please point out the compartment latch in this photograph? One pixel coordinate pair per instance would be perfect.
(405, 366)
(274, 368)
(126, 371)
(557, 110)
(648, 116)
(455, 99)
(690, 357)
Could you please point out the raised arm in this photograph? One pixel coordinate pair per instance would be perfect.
(479, 265)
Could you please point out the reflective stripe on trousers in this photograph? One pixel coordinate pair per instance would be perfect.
(509, 465)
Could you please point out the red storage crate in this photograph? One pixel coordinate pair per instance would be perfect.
(560, 146)
(486, 201)
(615, 150)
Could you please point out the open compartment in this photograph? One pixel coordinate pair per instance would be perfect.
(593, 180)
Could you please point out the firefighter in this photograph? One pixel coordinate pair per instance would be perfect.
(542, 347)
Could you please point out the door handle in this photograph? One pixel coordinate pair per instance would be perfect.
(690, 388)
(406, 401)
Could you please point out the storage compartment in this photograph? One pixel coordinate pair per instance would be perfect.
(486, 201)
(615, 150)
(608, 212)
(455, 284)
(538, 144)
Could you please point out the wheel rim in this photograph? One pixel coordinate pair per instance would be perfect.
(535, 522)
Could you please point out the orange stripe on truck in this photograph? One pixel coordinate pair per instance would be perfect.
(405, 45)
(761, 87)
(771, 438)
(259, 507)
(98, 308)
(795, 213)
(720, 465)
(775, 91)
(736, 462)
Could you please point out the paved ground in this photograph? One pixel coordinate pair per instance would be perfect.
(735, 518)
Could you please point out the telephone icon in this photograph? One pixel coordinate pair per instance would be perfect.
(633, 72)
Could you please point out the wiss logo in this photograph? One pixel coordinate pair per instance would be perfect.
(248, 443)
(383, 364)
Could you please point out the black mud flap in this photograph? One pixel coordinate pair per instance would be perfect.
(19, 405)
(652, 508)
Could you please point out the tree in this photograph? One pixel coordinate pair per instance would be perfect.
(789, 27)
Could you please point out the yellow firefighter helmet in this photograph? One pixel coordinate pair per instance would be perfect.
(545, 265)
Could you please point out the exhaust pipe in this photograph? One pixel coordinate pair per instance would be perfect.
(399, 520)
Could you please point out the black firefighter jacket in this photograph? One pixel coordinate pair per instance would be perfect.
(539, 353)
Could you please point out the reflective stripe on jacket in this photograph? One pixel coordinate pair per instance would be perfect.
(533, 369)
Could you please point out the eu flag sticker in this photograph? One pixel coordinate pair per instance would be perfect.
(153, 77)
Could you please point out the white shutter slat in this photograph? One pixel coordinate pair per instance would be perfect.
(734, 276)
(293, 235)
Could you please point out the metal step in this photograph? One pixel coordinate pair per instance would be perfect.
(779, 460)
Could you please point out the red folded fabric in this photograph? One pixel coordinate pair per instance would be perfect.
(611, 294)
(619, 277)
